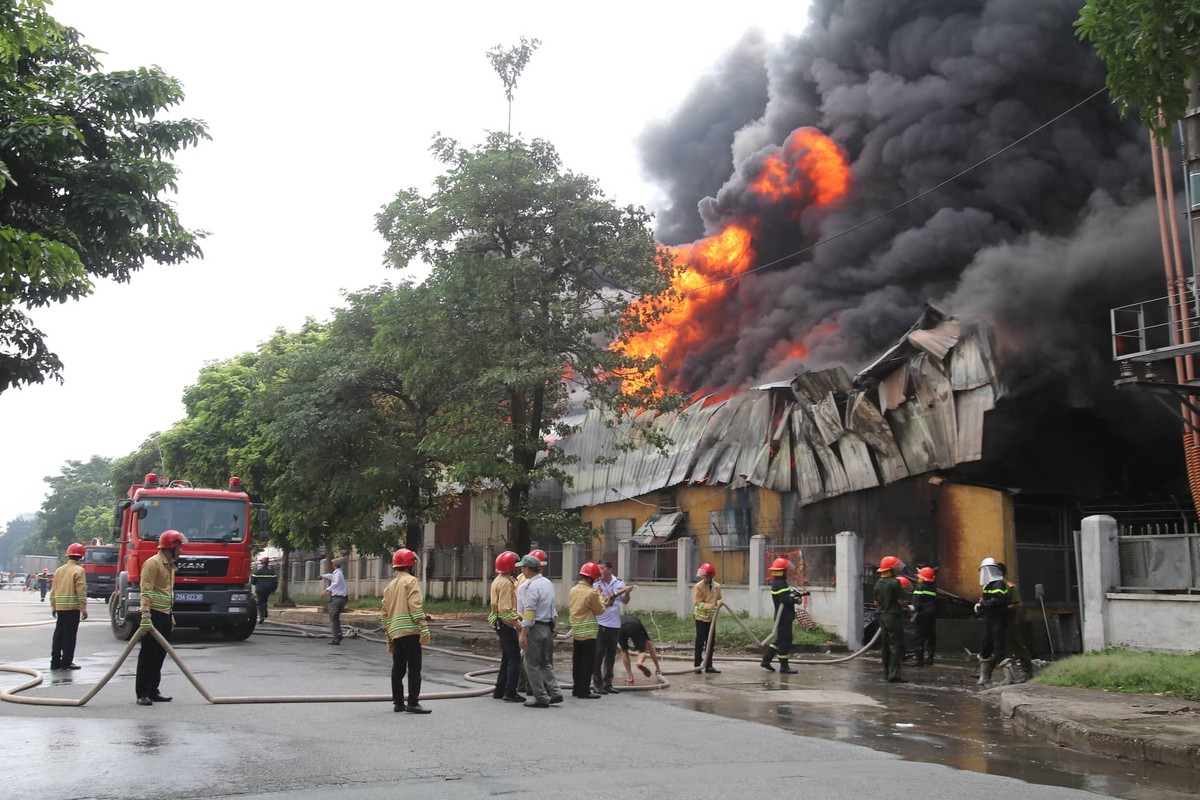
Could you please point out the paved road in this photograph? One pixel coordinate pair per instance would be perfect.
(688, 742)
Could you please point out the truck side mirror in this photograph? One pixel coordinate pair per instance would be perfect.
(139, 508)
(263, 532)
(1039, 591)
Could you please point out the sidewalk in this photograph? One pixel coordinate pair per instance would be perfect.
(1136, 727)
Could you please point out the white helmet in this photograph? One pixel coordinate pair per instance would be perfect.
(989, 570)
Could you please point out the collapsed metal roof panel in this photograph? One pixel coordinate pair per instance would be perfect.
(918, 408)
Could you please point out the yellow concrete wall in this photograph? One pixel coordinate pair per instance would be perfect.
(974, 522)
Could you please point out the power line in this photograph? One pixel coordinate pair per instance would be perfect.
(899, 206)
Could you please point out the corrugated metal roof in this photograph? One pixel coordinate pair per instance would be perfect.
(919, 407)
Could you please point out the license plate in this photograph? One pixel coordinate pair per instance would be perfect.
(183, 597)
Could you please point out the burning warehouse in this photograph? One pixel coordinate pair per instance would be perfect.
(895, 159)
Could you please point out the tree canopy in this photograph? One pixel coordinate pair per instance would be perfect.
(1150, 50)
(85, 162)
(532, 272)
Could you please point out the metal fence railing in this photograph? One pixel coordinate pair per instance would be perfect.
(813, 557)
(1160, 562)
(655, 563)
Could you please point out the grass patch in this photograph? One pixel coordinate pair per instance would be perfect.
(664, 627)
(1135, 672)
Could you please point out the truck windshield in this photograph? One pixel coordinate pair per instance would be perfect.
(199, 519)
(100, 555)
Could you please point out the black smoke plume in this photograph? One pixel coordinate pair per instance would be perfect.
(1040, 240)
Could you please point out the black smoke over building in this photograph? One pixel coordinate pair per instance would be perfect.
(1040, 240)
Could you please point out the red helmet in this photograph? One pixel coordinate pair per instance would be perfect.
(706, 571)
(889, 562)
(404, 558)
(170, 540)
(75, 550)
(905, 582)
(45, 571)
(540, 555)
(506, 561)
(780, 564)
(926, 574)
(590, 571)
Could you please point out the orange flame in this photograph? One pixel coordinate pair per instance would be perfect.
(809, 170)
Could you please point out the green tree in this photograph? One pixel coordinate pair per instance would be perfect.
(94, 522)
(1150, 50)
(85, 161)
(526, 259)
(80, 485)
(12, 540)
(509, 63)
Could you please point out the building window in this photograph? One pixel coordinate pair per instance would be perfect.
(729, 529)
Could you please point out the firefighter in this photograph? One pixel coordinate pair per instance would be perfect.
(158, 600)
(583, 606)
(706, 596)
(68, 605)
(264, 581)
(43, 582)
(1016, 642)
(993, 607)
(503, 619)
(925, 615)
(784, 599)
(889, 599)
(403, 619)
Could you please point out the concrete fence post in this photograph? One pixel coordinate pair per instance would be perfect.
(625, 555)
(758, 557)
(685, 569)
(849, 595)
(571, 553)
(426, 560)
(1099, 574)
(486, 573)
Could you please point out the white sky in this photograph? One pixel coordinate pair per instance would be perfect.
(319, 114)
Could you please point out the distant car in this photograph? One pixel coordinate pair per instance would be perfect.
(17, 581)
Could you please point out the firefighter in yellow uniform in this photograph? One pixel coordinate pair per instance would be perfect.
(158, 600)
(504, 621)
(403, 618)
(68, 605)
(706, 596)
(583, 606)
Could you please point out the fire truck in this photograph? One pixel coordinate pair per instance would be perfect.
(100, 568)
(212, 576)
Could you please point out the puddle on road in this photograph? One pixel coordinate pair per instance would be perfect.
(937, 719)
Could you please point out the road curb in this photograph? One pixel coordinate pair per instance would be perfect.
(1132, 727)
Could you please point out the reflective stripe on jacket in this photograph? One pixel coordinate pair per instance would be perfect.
(583, 604)
(504, 601)
(403, 612)
(705, 597)
(157, 586)
(69, 592)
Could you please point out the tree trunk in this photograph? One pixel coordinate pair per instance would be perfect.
(285, 576)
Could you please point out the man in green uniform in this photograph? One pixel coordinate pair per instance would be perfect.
(889, 599)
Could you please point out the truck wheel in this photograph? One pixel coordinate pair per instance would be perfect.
(238, 633)
(122, 627)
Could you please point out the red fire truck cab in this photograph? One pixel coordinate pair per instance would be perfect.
(100, 567)
(212, 576)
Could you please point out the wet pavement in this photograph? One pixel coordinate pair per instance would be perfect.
(839, 726)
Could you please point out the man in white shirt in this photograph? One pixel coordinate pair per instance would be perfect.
(337, 599)
(537, 611)
(615, 593)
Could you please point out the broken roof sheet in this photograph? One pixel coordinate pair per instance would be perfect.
(918, 407)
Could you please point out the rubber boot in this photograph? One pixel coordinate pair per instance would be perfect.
(786, 668)
(768, 654)
(1006, 668)
(986, 665)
